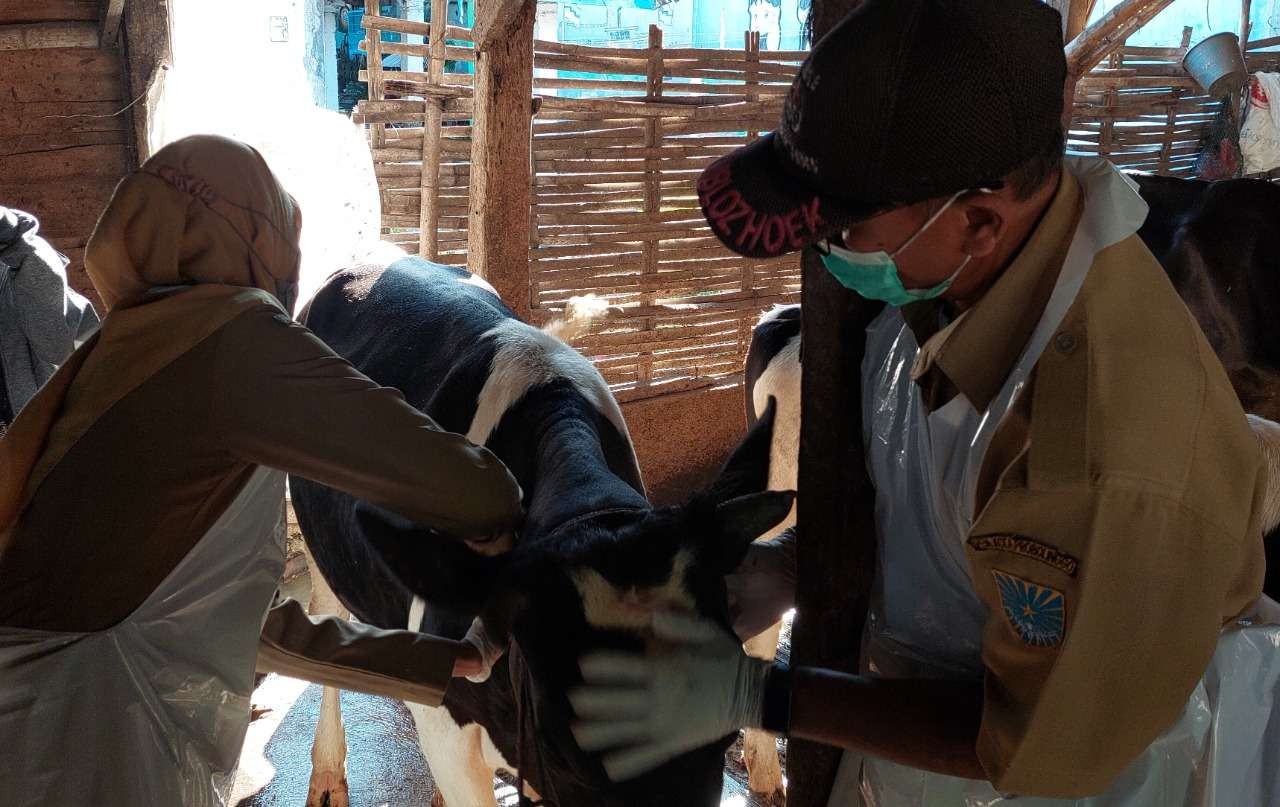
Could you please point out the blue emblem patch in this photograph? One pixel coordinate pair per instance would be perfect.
(1036, 613)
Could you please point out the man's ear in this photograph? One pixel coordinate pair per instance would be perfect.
(985, 224)
(741, 521)
(438, 568)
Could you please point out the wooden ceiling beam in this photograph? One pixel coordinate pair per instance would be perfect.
(1101, 39)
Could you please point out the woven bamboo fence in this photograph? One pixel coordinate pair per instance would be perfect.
(619, 139)
(1141, 110)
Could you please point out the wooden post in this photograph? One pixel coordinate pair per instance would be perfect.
(429, 212)
(498, 224)
(836, 554)
(1245, 7)
(148, 54)
(373, 41)
(652, 196)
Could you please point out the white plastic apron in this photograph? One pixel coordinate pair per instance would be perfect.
(152, 711)
(926, 620)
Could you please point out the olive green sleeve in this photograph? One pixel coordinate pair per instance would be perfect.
(286, 400)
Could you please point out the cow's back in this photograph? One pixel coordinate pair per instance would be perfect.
(416, 326)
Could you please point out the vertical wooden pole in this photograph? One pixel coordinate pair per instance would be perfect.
(373, 39)
(498, 224)
(429, 212)
(751, 45)
(148, 53)
(1078, 17)
(652, 196)
(836, 553)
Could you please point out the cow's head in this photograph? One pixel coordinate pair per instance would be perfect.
(595, 583)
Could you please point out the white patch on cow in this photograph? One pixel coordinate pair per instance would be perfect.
(1268, 434)
(479, 283)
(462, 759)
(776, 312)
(525, 358)
(607, 606)
(781, 379)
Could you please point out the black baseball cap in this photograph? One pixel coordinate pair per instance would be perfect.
(903, 101)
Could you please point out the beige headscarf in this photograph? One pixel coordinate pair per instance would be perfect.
(204, 213)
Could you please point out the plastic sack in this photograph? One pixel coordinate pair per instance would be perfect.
(1260, 135)
(153, 710)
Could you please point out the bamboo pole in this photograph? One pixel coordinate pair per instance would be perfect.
(1098, 41)
(1078, 17)
(377, 129)
(429, 214)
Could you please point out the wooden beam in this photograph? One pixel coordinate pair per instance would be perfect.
(48, 35)
(1077, 17)
(148, 54)
(18, 11)
(1108, 34)
(836, 552)
(112, 13)
(494, 20)
(498, 224)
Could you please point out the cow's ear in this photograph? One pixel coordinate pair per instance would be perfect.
(747, 469)
(743, 520)
(440, 569)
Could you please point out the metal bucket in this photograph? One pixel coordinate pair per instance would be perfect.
(1217, 64)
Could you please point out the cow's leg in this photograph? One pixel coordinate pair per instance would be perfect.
(455, 755)
(759, 748)
(328, 786)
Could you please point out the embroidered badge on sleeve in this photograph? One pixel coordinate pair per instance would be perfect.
(1036, 613)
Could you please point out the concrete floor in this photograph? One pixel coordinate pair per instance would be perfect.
(385, 767)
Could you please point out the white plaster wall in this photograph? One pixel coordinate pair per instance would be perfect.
(229, 78)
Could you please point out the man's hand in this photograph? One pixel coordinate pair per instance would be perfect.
(468, 662)
(694, 688)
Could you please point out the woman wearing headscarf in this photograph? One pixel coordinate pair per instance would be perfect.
(141, 492)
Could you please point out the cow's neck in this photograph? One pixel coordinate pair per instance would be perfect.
(561, 452)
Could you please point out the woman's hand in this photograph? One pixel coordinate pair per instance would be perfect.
(479, 652)
(468, 661)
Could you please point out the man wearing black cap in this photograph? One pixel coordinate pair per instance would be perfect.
(1067, 492)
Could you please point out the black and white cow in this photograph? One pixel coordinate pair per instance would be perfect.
(593, 560)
